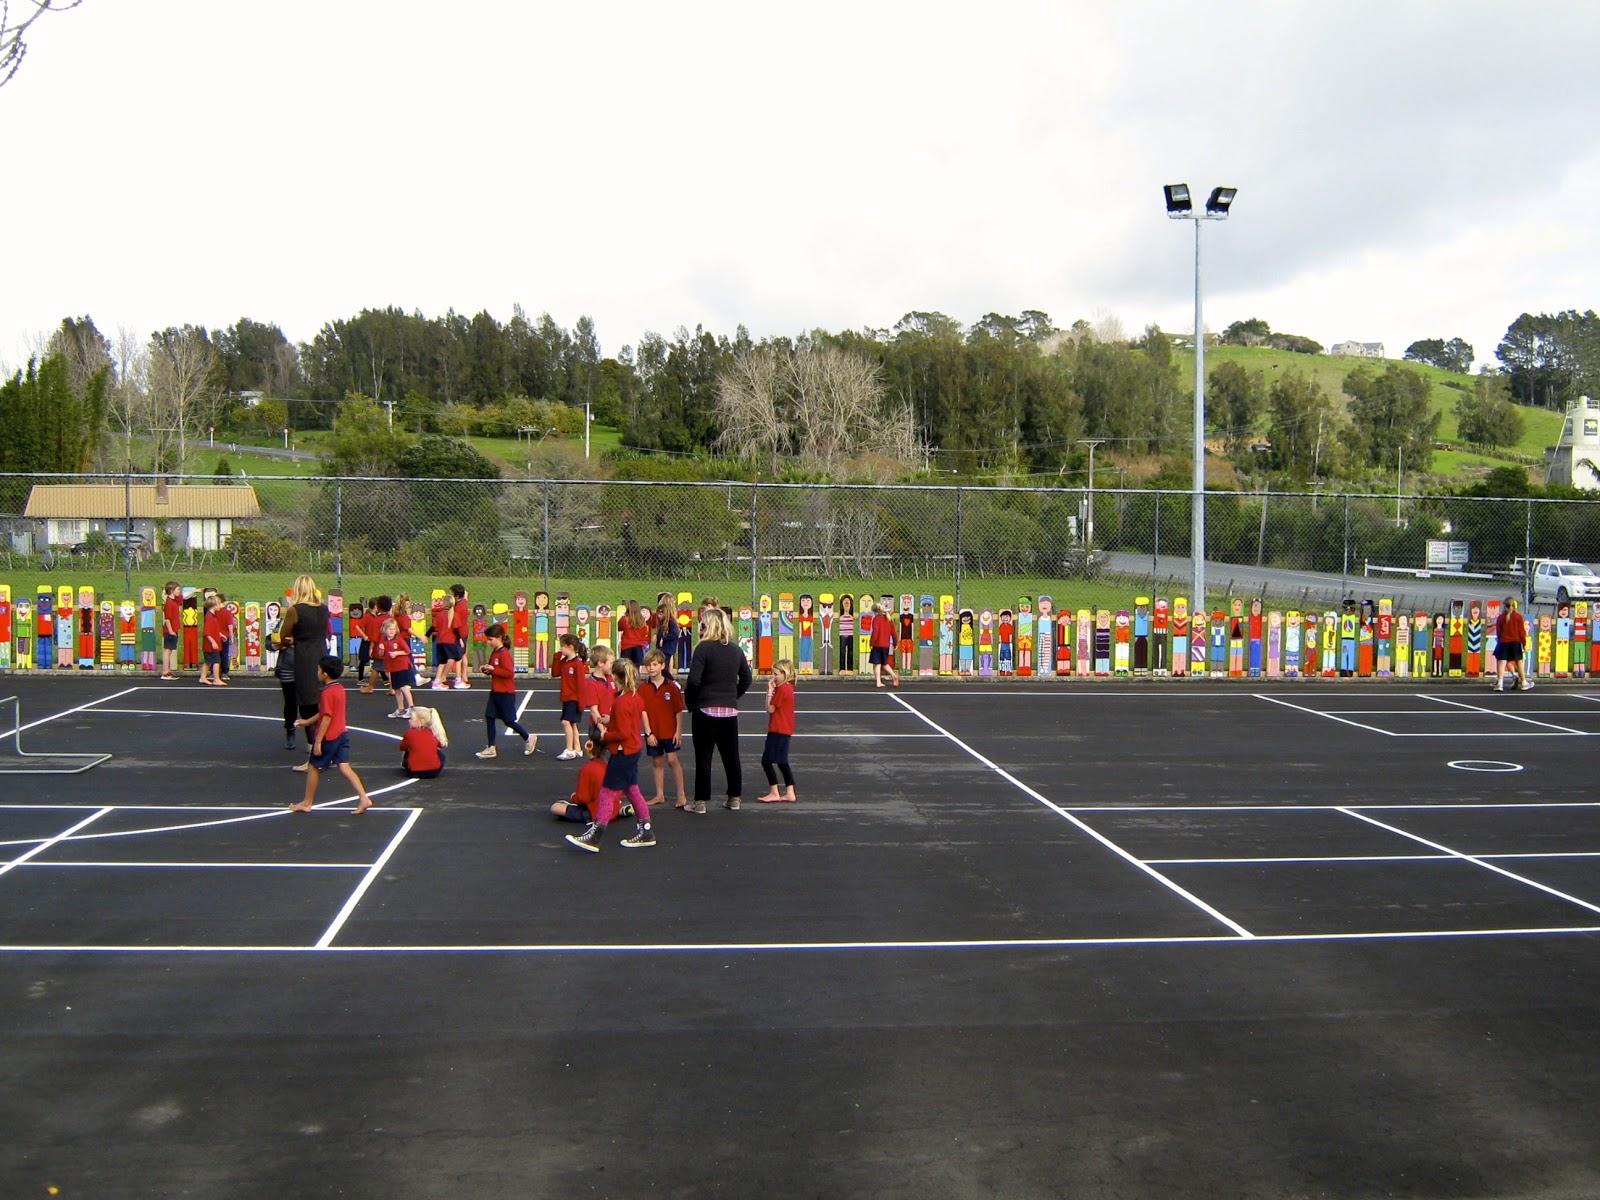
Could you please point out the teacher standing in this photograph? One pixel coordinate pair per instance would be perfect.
(304, 634)
(719, 674)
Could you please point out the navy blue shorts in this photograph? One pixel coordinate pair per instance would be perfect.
(446, 652)
(776, 749)
(879, 656)
(334, 752)
(169, 641)
(213, 658)
(663, 746)
(403, 679)
(571, 711)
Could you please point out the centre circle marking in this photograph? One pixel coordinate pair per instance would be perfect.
(1488, 765)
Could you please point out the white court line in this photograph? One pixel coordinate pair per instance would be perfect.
(1059, 811)
(175, 866)
(1333, 715)
(361, 889)
(1509, 716)
(1295, 808)
(179, 712)
(1263, 939)
(1475, 860)
(1333, 858)
(1326, 716)
(60, 837)
(57, 716)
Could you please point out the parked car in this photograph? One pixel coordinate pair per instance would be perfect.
(1557, 580)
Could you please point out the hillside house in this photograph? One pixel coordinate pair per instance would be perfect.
(194, 516)
(1357, 350)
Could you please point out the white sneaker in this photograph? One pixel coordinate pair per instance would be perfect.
(395, 715)
(439, 687)
(461, 685)
(488, 752)
(1527, 685)
(566, 755)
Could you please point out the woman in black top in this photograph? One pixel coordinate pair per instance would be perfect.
(719, 674)
(304, 633)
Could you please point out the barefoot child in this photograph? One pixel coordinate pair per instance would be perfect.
(585, 800)
(569, 667)
(171, 620)
(215, 635)
(330, 741)
(502, 705)
(663, 704)
(393, 651)
(598, 691)
(780, 728)
(424, 744)
(883, 640)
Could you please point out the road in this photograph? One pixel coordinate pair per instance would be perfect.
(1307, 587)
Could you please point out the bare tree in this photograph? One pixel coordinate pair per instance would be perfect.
(184, 392)
(13, 31)
(130, 397)
(819, 404)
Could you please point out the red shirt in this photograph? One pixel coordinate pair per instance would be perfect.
(502, 672)
(172, 616)
(598, 693)
(443, 628)
(781, 718)
(421, 749)
(590, 776)
(571, 671)
(395, 653)
(331, 705)
(634, 635)
(662, 703)
(229, 620)
(625, 733)
(882, 631)
(402, 622)
(460, 620)
(216, 629)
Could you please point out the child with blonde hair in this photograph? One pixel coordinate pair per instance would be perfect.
(625, 732)
(780, 729)
(393, 654)
(568, 667)
(424, 744)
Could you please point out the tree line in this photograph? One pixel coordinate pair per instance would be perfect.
(1010, 396)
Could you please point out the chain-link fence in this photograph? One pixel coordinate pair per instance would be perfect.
(762, 536)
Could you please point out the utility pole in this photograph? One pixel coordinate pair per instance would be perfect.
(1088, 521)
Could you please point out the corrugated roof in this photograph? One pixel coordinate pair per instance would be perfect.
(94, 501)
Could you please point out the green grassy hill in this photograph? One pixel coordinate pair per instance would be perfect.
(1459, 464)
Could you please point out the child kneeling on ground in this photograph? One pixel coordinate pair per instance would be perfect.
(424, 744)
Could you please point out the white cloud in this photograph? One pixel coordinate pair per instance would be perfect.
(1404, 171)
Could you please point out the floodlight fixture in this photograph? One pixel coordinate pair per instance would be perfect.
(1178, 203)
(1221, 200)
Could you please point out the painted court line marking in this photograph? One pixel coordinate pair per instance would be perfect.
(1509, 716)
(181, 866)
(1263, 939)
(361, 888)
(1477, 861)
(1101, 838)
(1333, 858)
(60, 837)
(1333, 715)
(180, 712)
(68, 712)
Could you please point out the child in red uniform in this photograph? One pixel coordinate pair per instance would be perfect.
(451, 624)
(624, 736)
(502, 673)
(882, 645)
(393, 652)
(171, 622)
(330, 744)
(664, 706)
(780, 728)
(569, 667)
(230, 627)
(424, 744)
(215, 633)
(598, 691)
(633, 628)
(585, 799)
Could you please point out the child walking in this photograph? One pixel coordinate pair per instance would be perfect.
(502, 674)
(394, 652)
(585, 799)
(780, 729)
(664, 706)
(330, 743)
(424, 745)
(624, 738)
(569, 666)
(882, 645)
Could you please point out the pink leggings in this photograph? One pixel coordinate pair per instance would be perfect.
(606, 807)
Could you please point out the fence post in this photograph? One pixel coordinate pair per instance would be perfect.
(1527, 558)
(127, 533)
(1344, 570)
(546, 555)
(1155, 543)
(755, 585)
(958, 550)
(338, 545)
(1261, 538)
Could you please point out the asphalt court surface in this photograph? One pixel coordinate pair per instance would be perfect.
(1086, 940)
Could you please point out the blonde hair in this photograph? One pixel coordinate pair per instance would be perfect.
(600, 655)
(305, 591)
(428, 718)
(783, 671)
(714, 626)
(626, 675)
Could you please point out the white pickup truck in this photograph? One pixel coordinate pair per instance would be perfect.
(1557, 580)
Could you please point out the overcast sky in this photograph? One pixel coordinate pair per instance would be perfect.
(1405, 170)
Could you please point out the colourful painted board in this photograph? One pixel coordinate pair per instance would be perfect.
(66, 629)
(87, 626)
(105, 636)
(947, 635)
(785, 626)
(1254, 627)
(1402, 645)
(1025, 636)
(1005, 642)
(1386, 636)
(149, 641)
(1160, 632)
(806, 635)
(1180, 635)
(1141, 635)
(22, 633)
(1122, 643)
(1102, 641)
(765, 645)
(864, 631)
(927, 635)
(846, 621)
(5, 627)
(1217, 660)
(1236, 640)
(1366, 640)
(1547, 640)
(1563, 664)
(542, 649)
(686, 629)
(1274, 644)
(127, 636)
(1045, 639)
(1083, 651)
(1457, 661)
(986, 642)
(906, 633)
(1580, 638)
(44, 626)
(745, 631)
(966, 643)
(1475, 663)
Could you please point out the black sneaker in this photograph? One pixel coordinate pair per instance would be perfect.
(288, 742)
(589, 839)
(645, 836)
